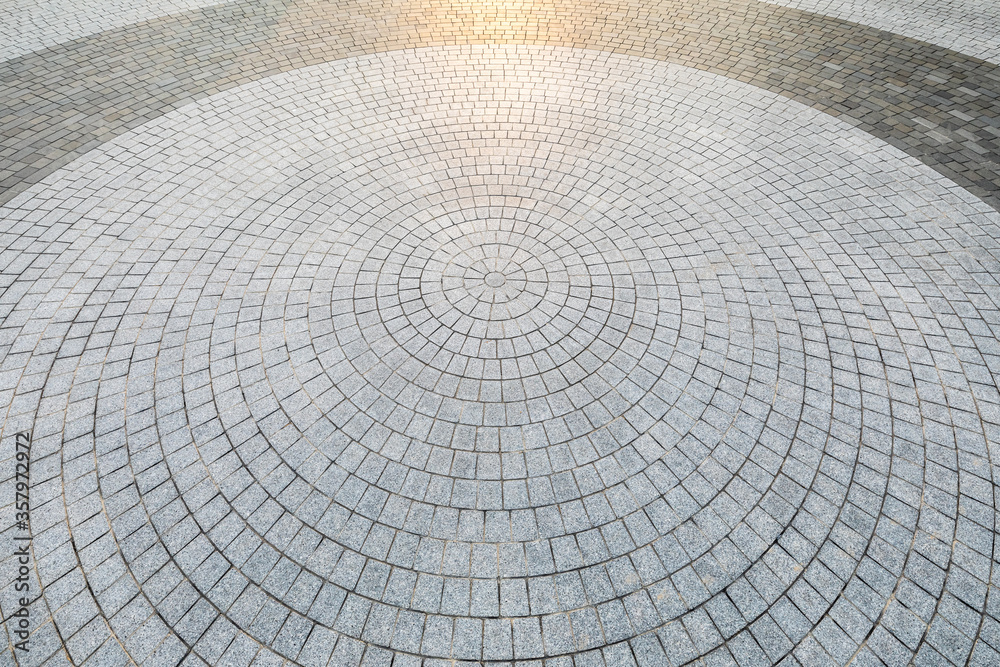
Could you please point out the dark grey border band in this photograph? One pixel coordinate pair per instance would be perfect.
(937, 105)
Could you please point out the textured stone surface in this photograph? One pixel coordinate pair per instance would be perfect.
(967, 26)
(502, 354)
(31, 25)
(937, 105)
(545, 351)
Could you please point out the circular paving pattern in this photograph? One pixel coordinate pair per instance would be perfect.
(507, 354)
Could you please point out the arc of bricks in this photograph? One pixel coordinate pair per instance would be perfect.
(935, 104)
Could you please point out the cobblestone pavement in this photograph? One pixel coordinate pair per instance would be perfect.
(32, 25)
(968, 26)
(564, 334)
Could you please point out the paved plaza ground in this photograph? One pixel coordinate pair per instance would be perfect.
(568, 333)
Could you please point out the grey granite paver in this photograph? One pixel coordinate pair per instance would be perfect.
(529, 354)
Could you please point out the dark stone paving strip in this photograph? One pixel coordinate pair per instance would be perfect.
(937, 105)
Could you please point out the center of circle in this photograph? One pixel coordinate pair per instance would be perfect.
(495, 279)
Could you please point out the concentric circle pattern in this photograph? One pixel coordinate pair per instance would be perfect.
(506, 354)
